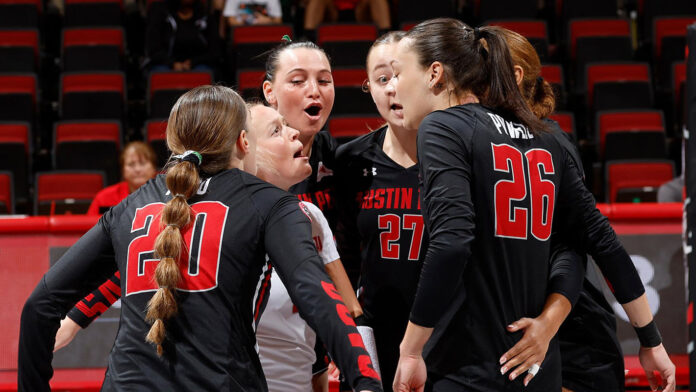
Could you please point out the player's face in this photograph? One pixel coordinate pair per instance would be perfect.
(136, 169)
(410, 81)
(279, 151)
(379, 74)
(303, 90)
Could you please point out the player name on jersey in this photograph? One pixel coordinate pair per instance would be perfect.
(389, 198)
(514, 130)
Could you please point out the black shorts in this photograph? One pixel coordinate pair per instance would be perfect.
(591, 355)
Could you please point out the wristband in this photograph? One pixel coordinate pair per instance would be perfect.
(360, 320)
(649, 335)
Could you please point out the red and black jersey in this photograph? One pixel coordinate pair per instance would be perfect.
(210, 343)
(380, 225)
(318, 187)
(492, 195)
(381, 238)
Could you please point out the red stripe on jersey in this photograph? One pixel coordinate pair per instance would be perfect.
(262, 293)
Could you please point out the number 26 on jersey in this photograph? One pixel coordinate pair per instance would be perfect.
(524, 202)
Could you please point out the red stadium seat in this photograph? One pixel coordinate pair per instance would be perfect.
(347, 44)
(20, 13)
(583, 28)
(250, 43)
(553, 74)
(631, 135)
(249, 83)
(350, 98)
(679, 90)
(665, 27)
(669, 42)
(61, 192)
(92, 49)
(19, 50)
(88, 145)
(6, 193)
(345, 128)
(565, 120)
(18, 97)
(155, 135)
(573, 9)
(535, 31)
(93, 13)
(164, 88)
(625, 85)
(98, 95)
(16, 151)
(636, 179)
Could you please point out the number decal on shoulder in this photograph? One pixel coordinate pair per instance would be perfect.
(536, 213)
(200, 258)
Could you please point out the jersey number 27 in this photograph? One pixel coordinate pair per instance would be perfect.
(536, 208)
(200, 257)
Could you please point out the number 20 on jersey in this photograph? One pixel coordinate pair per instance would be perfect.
(533, 210)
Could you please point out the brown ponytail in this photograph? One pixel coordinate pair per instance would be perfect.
(208, 120)
(536, 91)
(476, 60)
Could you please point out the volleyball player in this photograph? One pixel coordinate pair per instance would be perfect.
(493, 179)
(591, 356)
(202, 332)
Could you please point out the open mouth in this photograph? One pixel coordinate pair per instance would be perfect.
(298, 153)
(313, 109)
(396, 106)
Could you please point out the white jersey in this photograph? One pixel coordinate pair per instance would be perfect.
(286, 342)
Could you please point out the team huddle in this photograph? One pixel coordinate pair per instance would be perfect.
(441, 252)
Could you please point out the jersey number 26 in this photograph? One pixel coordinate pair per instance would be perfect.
(200, 258)
(512, 221)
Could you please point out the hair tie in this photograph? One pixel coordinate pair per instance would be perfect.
(179, 195)
(172, 225)
(477, 34)
(191, 156)
(286, 38)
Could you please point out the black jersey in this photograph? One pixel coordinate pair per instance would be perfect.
(210, 342)
(491, 192)
(318, 187)
(381, 234)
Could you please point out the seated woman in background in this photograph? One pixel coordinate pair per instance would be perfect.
(138, 163)
(254, 12)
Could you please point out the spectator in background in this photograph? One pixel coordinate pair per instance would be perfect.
(138, 165)
(254, 12)
(181, 37)
(362, 11)
(671, 191)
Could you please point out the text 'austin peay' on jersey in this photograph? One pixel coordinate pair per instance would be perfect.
(210, 343)
(318, 187)
(490, 191)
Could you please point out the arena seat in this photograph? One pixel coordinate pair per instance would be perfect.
(554, 75)
(249, 83)
(94, 95)
(88, 145)
(164, 88)
(619, 86)
(565, 120)
(347, 44)
(679, 90)
(631, 135)
(493, 9)
(598, 40)
(627, 181)
(346, 128)
(18, 97)
(60, 192)
(20, 13)
(6, 193)
(574, 9)
(155, 135)
(91, 13)
(248, 44)
(669, 43)
(350, 99)
(16, 151)
(535, 31)
(649, 10)
(19, 50)
(92, 49)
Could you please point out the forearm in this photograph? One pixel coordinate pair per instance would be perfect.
(638, 311)
(555, 311)
(414, 340)
(338, 275)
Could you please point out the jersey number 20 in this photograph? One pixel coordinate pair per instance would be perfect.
(200, 257)
(512, 221)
